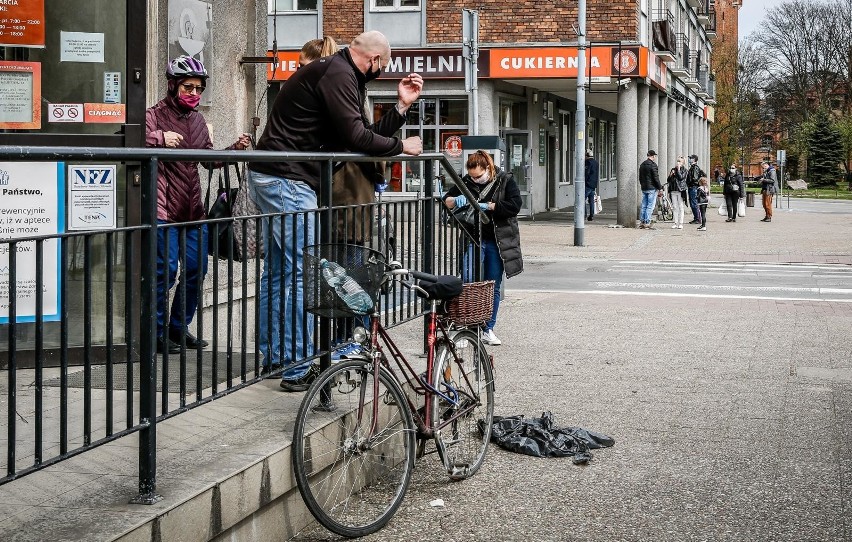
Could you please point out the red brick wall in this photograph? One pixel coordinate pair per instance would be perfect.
(502, 21)
(507, 21)
(342, 19)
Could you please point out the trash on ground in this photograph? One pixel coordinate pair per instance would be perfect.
(615, 226)
(437, 503)
(541, 438)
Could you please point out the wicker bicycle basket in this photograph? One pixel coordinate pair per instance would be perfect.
(360, 264)
(473, 305)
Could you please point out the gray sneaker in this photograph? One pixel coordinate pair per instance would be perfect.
(301, 384)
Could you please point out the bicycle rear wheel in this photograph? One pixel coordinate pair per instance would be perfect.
(352, 485)
(465, 408)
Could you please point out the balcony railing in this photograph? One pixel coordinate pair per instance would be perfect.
(681, 67)
(707, 16)
(665, 42)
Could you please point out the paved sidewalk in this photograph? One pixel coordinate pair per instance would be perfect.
(792, 236)
(720, 434)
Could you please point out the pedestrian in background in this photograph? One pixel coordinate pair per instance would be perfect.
(768, 189)
(692, 177)
(732, 188)
(677, 192)
(319, 109)
(316, 49)
(703, 201)
(649, 181)
(175, 123)
(498, 195)
(592, 179)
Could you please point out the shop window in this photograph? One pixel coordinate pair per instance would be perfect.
(512, 115)
(600, 152)
(612, 150)
(276, 6)
(442, 119)
(395, 5)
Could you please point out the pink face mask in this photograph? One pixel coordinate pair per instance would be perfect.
(189, 101)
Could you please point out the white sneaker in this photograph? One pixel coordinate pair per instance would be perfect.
(488, 337)
(674, 227)
(680, 226)
(702, 228)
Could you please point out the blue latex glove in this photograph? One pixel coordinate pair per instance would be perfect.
(461, 201)
(483, 206)
(381, 187)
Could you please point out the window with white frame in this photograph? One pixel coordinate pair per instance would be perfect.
(278, 6)
(394, 5)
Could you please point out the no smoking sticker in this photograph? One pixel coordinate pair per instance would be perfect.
(65, 113)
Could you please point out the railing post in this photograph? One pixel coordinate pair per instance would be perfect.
(427, 239)
(147, 341)
(325, 232)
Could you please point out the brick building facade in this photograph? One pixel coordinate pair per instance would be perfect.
(650, 81)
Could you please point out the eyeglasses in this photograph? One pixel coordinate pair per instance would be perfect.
(379, 60)
(190, 88)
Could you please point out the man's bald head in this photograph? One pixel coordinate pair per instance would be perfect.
(372, 42)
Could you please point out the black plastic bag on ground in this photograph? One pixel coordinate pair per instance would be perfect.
(541, 438)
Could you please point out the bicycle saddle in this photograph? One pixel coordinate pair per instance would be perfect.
(446, 287)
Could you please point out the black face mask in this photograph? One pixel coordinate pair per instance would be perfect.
(370, 75)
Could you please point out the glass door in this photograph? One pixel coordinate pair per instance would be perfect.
(518, 162)
(78, 74)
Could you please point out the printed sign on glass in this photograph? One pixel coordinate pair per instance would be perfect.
(32, 197)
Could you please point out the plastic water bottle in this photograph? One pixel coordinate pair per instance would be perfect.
(346, 287)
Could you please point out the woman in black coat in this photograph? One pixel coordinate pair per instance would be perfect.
(733, 189)
(498, 195)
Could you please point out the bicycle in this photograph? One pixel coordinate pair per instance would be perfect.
(358, 426)
(664, 209)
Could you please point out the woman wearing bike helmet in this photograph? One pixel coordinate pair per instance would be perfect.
(174, 122)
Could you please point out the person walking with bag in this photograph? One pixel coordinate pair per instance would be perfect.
(592, 179)
(174, 122)
(498, 195)
(732, 188)
(768, 189)
(677, 192)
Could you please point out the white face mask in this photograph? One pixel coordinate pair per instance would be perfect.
(482, 179)
(733, 170)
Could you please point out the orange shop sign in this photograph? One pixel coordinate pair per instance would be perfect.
(288, 63)
(22, 23)
(562, 62)
(104, 113)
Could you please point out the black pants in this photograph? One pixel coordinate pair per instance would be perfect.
(731, 200)
(702, 207)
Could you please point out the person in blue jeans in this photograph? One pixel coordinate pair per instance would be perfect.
(319, 109)
(649, 180)
(498, 195)
(175, 123)
(592, 178)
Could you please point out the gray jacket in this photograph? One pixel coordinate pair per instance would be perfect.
(769, 182)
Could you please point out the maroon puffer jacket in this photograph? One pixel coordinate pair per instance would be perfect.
(178, 183)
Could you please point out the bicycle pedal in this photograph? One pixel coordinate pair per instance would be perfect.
(458, 472)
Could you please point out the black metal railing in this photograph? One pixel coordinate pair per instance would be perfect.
(100, 289)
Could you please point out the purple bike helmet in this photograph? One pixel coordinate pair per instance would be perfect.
(184, 67)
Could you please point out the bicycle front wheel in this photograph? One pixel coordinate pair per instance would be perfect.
(463, 411)
(352, 481)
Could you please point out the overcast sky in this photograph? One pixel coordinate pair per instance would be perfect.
(752, 13)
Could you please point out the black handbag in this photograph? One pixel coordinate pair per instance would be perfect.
(221, 241)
